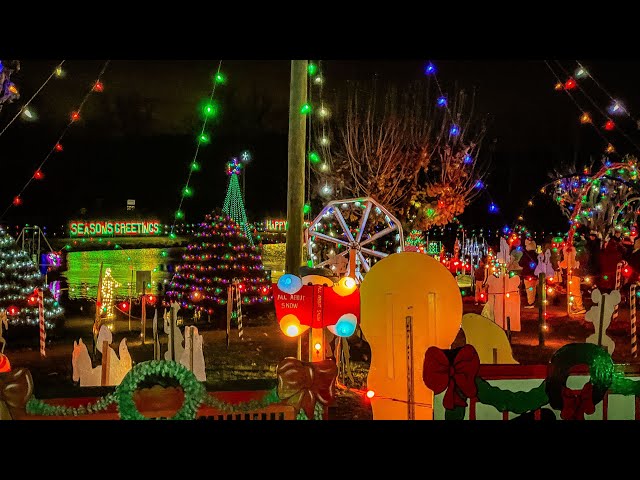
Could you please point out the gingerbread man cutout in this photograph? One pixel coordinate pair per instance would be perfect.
(600, 315)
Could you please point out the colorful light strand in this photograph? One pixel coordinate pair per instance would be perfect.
(24, 108)
(17, 200)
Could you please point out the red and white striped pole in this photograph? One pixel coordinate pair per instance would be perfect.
(43, 332)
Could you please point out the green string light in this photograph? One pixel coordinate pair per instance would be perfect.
(306, 209)
(234, 206)
(179, 214)
(312, 69)
(203, 138)
(195, 166)
(220, 78)
(314, 157)
(210, 109)
(187, 191)
(305, 109)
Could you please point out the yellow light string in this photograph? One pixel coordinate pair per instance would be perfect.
(75, 116)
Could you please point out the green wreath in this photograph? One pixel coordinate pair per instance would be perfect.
(194, 391)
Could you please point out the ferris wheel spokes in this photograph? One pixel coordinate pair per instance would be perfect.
(363, 222)
(328, 238)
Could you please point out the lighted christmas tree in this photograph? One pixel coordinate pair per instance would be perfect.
(233, 204)
(220, 254)
(19, 279)
(416, 238)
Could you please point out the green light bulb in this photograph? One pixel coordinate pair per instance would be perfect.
(179, 214)
(195, 166)
(220, 78)
(306, 209)
(187, 191)
(203, 138)
(314, 157)
(312, 69)
(210, 109)
(172, 235)
(305, 109)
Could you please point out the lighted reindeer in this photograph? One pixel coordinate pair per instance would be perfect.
(3, 321)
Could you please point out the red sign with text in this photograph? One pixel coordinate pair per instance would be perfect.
(316, 305)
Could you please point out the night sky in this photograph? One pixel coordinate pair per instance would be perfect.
(137, 138)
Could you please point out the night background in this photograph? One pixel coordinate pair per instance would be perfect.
(136, 139)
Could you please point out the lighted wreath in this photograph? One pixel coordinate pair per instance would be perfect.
(194, 390)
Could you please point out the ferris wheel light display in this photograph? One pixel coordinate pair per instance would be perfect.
(361, 225)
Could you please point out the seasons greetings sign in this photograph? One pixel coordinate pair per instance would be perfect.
(102, 228)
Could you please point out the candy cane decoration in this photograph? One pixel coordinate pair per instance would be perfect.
(614, 317)
(632, 318)
(43, 332)
(239, 303)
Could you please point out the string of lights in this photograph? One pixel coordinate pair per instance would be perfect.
(210, 110)
(24, 110)
(615, 106)
(96, 87)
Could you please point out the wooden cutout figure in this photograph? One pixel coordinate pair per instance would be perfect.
(193, 355)
(600, 315)
(118, 367)
(83, 370)
(544, 265)
(3, 321)
(175, 335)
(498, 287)
(409, 302)
(489, 340)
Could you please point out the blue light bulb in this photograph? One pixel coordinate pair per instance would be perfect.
(430, 69)
(442, 101)
(454, 130)
(468, 159)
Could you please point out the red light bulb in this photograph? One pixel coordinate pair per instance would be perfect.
(58, 147)
(570, 84)
(75, 116)
(38, 175)
(17, 201)
(610, 125)
(98, 87)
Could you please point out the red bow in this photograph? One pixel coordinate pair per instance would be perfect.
(302, 384)
(458, 377)
(575, 403)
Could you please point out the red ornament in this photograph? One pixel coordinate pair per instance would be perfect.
(32, 300)
(124, 306)
(58, 147)
(75, 116)
(570, 84)
(38, 175)
(12, 310)
(610, 125)
(17, 200)
(98, 87)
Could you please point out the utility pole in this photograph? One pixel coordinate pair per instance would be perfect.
(296, 164)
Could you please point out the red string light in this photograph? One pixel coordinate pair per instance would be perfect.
(97, 86)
